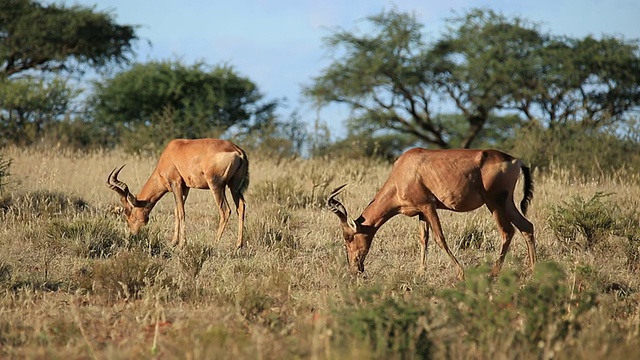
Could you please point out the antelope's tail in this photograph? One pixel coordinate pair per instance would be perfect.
(527, 189)
(243, 171)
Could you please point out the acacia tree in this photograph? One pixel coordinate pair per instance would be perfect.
(393, 79)
(481, 61)
(488, 66)
(54, 37)
(28, 105)
(587, 82)
(384, 76)
(38, 43)
(159, 100)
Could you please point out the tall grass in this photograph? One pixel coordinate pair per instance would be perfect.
(74, 283)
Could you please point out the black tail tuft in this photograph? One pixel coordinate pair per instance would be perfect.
(527, 188)
(244, 170)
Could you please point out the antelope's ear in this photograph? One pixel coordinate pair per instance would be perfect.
(352, 224)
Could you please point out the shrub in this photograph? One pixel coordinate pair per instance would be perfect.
(587, 152)
(552, 310)
(5, 271)
(150, 240)
(387, 325)
(592, 218)
(265, 300)
(193, 257)
(121, 277)
(628, 227)
(502, 315)
(471, 238)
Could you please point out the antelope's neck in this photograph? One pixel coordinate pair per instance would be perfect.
(376, 214)
(153, 190)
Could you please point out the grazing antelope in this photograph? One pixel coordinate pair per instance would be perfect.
(184, 165)
(422, 181)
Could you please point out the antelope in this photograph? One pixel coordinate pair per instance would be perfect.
(422, 181)
(183, 165)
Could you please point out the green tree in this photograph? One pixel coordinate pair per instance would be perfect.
(37, 40)
(29, 104)
(479, 60)
(392, 78)
(54, 37)
(384, 76)
(488, 66)
(153, 102)
(590, 82)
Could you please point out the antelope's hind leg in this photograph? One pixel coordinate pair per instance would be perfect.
(238, 199)
(506, 218)
(526, 229)
(223, 208)
(506, 231)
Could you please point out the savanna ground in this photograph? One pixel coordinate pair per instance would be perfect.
(74, 284)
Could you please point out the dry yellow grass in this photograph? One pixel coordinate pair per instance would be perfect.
(277, 297)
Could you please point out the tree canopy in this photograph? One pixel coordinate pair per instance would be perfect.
(37, 41)
(484, 66)
(54, 37)
(384, 77)
(28, 105)
(171, 99)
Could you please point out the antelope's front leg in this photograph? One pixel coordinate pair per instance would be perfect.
(179, 195)
(424, 241)
(176, 227)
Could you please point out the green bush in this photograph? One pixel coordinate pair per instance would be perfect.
(628, 227)
(551, 306)
(502, 315)
(592, 218)
(586, 152)
(121, 277)
(387, 326)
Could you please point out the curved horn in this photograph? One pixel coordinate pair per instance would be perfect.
(335, 205)
(337, 208)
(121, 188)
(116, 185)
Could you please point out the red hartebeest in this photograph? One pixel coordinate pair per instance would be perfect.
(422, 181)
(183, 165)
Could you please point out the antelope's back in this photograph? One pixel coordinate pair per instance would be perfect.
(455, 177)
(197, 160)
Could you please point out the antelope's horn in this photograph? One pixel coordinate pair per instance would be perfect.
(335, 205)
(121, 187)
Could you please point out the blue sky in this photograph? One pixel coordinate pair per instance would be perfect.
(278, 43)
